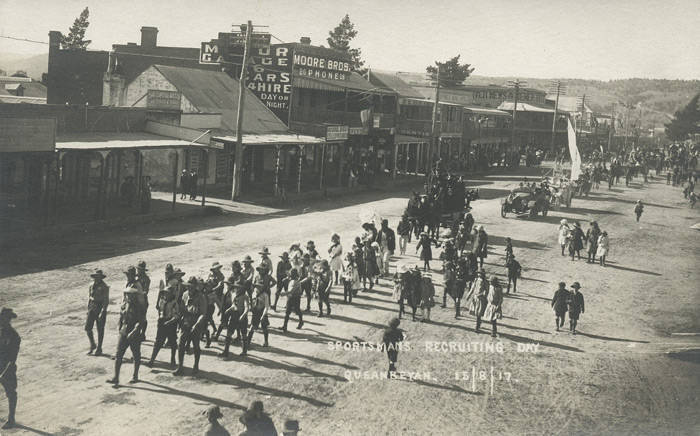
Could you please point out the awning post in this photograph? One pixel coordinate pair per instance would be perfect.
(205, 158)
(301, 152)
(175, 165)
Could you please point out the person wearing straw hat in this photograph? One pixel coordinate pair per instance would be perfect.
(291, 427)
(9, 349)
(213, 414)
(256, 421)
(169, 270)
(391, 339)
(238, 316)
(168, 316)
(576, 306)
(130, 332)
(311, 249)
(563, 235)
(592, 235)
(98, 301)
(193, 311)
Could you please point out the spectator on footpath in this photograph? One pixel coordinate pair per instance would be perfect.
(9, 348)
(257, 422)
(184, 184)
(193, 185)
(213, 414)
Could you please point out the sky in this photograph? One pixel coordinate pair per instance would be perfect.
(588, 39)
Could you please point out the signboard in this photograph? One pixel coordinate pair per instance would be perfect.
(321, 63)
(163, 99)
(257, 40)
(358, 131)
(337, 133)
(209, 53)
(270, 78)
(27, 134)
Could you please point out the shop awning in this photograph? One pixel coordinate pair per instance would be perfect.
(485, 111)
(355, 82)
(273, 139)
(523, 107)
(406, 139)
(96, 141)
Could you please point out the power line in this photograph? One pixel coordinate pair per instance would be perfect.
(24, 39)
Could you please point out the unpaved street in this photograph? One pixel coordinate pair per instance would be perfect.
(633, 369)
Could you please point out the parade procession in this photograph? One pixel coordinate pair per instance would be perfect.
(266, 219)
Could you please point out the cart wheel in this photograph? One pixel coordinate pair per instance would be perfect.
(503, 211)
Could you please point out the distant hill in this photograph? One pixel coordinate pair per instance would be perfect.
(660, 99)
(35, 65)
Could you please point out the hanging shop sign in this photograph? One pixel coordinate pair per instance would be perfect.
(337, 133)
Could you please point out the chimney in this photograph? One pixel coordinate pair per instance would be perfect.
(305, 40)
(54, 49)
(149, 37)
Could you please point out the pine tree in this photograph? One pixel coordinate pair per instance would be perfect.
(686, 121)
(339, 39)
(451, 72)
(76, 34)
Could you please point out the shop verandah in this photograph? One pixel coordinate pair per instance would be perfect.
(95, 176)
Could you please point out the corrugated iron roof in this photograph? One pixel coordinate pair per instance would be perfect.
(355, 82)
(217, 92)
(94, 141)
(523, 107)
(394, 82)
(289, 138)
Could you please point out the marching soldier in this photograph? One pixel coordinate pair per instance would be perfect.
(283, 268)
(130, 332)
(248, 273)
(145, 282)
(306, 285)
(265, 259)
(9, 349)
(260, 306)
(294, 298)
(238, 316)
(192, 321)
(227, 298)
(168, 316)
(323, 284)
(448, 272)
(98, 301)
(214, 294)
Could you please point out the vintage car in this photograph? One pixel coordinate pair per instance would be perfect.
(525, 202)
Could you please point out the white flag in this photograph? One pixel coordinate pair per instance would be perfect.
(573, 151)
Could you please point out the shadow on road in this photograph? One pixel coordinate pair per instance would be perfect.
(623, 268)
(608, 338)
(167, 390)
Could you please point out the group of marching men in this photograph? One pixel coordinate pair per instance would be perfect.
(186, 309)
(463, 272)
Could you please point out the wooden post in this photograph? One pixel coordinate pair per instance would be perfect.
(55, 193)
(277, 170)
(98, 207)
(177, 157)
(205, 156)
(323, 166)
(119, 172)
(396, 159)
(435, 136)
(341, 158)
(301, 152)
(238, 160)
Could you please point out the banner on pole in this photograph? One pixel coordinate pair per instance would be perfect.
(573, 151)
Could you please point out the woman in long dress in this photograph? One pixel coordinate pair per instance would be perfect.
(335, 255)
(603, 247)
(370, 265)
(563, 235)
(495, 299)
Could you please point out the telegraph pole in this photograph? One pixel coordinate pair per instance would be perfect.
(436, 136)
(515, 84)
(238, 157)
(560, 88)
(612, 126)
(583, 113)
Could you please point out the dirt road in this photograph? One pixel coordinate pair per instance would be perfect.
(633, 369)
